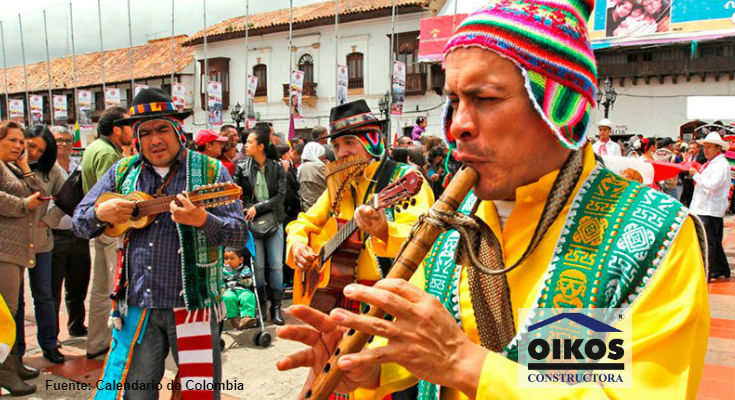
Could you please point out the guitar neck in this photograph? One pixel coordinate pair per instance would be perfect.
(155, 206)
(336, 241)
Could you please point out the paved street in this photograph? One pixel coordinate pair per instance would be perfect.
(254, 367)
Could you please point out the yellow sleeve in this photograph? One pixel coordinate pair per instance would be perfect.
(393, 377)
(7, 333)
(306, 223)
(670, 331)
(399, 229)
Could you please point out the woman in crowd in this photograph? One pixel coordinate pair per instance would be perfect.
(20, 190)
(312, 182)
(41, 147)
(263, 181)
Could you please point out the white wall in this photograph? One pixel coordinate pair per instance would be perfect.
(368, 37)
(656, 109)
(650, 109)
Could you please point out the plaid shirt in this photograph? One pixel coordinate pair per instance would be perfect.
(154, 261)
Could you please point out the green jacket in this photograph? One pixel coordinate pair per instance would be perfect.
(98, 157)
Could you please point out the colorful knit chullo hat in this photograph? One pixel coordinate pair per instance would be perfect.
(548, 41)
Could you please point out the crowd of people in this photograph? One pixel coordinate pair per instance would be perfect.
(278, 181)
(536, 200)
(704, 185)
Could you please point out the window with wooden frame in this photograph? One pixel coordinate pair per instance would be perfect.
(306, 65)
(406, 49)
(219, 71)
(355, 78)
(261, 72)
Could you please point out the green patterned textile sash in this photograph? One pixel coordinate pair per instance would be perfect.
(615, 236)
(441, 277)
(201, 265)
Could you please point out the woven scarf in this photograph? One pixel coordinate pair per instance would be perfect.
(196, 361)
(489, 290)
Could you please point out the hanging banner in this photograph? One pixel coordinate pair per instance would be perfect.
(61, 114)
(138, 88)
(36, 103)
(434, 33)
(112, 97)
(214, 102)
(252, 87)
(84, 105)
(297, 88)
(16, 110)
(341, 84)
(178, 94)
(399, 88)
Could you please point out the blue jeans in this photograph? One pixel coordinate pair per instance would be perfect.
(271, 249)
(43, 304)
(148, 361)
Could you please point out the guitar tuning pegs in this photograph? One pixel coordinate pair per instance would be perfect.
(413, 201)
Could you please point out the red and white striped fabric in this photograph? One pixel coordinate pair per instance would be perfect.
(194, 339)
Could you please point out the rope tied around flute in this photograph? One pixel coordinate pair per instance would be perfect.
(479, 249)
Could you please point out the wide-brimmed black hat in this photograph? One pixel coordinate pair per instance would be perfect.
(150, 103)
(346, 117)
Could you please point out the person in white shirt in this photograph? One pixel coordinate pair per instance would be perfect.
(709, 202)
(604, 146)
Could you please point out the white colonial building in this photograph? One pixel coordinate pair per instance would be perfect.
(652, 75)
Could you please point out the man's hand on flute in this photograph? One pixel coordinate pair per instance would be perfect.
(323, 335)
(423, 338)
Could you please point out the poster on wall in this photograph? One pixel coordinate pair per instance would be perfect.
(252, 88)
(112, 97)
(635, 18)
(214, 102)
(84, 103)
(61, 114)
(297, 88)
(619, 19)
(36, 103)
(178, 94)
(399, 88)
(341, 84)
(16, 110)
(138, 88)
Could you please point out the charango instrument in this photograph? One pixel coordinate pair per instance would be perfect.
(423, 236)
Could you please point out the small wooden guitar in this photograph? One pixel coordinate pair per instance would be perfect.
(147, 207)
(338, 246)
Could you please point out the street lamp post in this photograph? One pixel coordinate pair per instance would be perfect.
(606, 96)
(384, 106)
(237, 115)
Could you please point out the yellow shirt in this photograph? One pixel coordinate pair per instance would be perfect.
(7, 331)
(314, 219)
(670, 317)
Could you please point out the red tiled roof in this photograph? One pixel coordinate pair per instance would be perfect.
(304, 16)
(152, 59)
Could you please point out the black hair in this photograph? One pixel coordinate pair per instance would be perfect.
(437, 151)
(420, 120)
(299, 148)
(400, 154)
(329, 154)
(225, 127)
(240, 252)
(262, 134)
(48, 158)
(316, 132)
(107, 120)
(647, 143)
(416, 156)
(282, 148)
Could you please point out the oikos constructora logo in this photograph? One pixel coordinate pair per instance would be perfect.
(558, 347)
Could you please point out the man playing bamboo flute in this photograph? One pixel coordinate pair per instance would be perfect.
(520, 83)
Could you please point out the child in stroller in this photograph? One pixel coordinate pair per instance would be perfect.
(239, 298)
